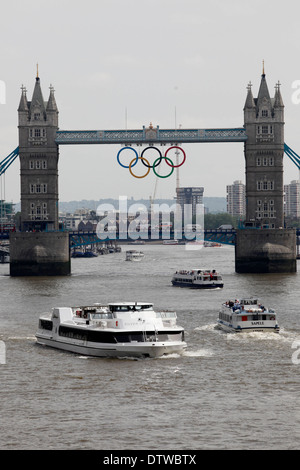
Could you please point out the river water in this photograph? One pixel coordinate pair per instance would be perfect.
(227, 391)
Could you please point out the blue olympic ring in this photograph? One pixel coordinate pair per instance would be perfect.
(136, 157)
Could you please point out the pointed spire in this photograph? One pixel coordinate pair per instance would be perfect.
(51, 105)
(23, 106)
(249, 100)
(37, 97)
(278, 101)
(263, 89)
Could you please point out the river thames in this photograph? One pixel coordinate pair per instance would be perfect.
(227, 391)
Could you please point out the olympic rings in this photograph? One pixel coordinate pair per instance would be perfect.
(160, 156)
(130, 148)
(157, 162)
(166, 158)
(149, 167)
(184, 156)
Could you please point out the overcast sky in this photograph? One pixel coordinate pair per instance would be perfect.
(118, 63)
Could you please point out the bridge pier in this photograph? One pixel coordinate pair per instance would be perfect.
(265, 251)
(39, 254)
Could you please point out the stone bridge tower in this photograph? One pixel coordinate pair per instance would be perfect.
(264, 245)
(39, 248)
(264, 150)
(38, 123)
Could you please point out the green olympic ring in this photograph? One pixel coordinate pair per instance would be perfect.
(166, 176)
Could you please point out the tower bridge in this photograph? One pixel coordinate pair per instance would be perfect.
(151, 136)
(262, 246)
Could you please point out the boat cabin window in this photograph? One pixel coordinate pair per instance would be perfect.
(166, 315)
(129, 308)
(101, 316)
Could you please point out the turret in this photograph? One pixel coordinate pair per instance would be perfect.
(264, 125)
(38, 124)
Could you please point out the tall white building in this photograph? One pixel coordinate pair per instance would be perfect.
(292, 199)
(236, 200)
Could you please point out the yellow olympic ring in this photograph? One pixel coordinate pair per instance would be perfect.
(134, 160)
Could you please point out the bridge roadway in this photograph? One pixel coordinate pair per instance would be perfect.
(82, 238)
(87, 238)
(150, 135)
(226, 237)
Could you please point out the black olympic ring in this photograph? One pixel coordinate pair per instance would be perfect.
(160, 157)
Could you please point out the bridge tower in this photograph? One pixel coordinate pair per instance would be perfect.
(39, 248)
(38, 124)
(264, 245)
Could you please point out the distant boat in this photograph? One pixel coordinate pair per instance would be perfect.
(198, 279)
(134, 255)
(170, 242)
(211, 244)
(84, 254)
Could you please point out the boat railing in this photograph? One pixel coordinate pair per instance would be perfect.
(166, 314)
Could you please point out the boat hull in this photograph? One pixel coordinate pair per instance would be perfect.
(198, 285)
(153, 349)
(248, 329)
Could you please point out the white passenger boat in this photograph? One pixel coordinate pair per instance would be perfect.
(134, 255)
(247, 315)
(170, 242)
(198, 279)
(116, 330)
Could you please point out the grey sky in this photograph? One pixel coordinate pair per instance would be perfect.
(145, 59)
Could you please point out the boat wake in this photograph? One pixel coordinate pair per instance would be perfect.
(208, 327)
(22, 338)
(283, 336)
(198, 353)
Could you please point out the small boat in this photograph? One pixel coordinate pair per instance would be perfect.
(134, 255)
(114, 330)
(247, 315)
(198, 279)
(170, 242)
(208, 244)
(84, 254)
(90, 254)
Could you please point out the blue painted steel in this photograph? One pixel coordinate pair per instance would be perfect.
(78, 239)
(226, 237)
(292, 155)
(151, 135)
(7, 161)
(83, 238)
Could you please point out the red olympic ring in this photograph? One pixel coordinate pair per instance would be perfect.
(184, 156)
